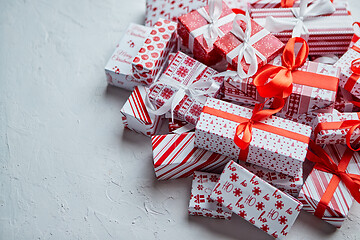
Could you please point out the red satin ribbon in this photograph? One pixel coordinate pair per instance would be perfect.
(325, 163)
(287, 3)
(355, 68)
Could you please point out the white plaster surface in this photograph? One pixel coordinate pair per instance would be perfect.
(68, 169)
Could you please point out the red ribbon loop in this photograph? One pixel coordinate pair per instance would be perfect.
(355, 66)
(287, 3)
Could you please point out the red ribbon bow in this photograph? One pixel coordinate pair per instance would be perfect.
(287, 3)
(355, 66)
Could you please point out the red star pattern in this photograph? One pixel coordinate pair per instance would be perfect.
(242, 214)
(237, 192)
(166, 93)
(256, 191)
(219, 210)
(220, 200)
(234, 177)
(279, 204)
(182, 71)
(260, 206)
(189, 61)
(265, 227)
(200, 187)
(282, 220)
(197, 207)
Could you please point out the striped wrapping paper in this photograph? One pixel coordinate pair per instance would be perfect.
(328, 35)
(317, 182)
(175, 156)
(135, 115)
(277, 3)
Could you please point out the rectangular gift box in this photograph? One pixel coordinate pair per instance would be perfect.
(349, 80)
(149, 61)
(256, 201)
(277, 144)
(314, 87)
(318, 182)
(135, 115)
(118, 69)
(175, 156)
(200, 202)
(331, 134)
(187, 71)
(192, 27)
(330, 34)
(345, 102)
(296, 3)
(261, 39)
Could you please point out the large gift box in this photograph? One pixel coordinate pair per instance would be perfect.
(200, 28)
(119, 69)
(136, 116)
(328, 30)
(350, 71)
(150, 60)
(287, 3)
(175, 156)
(184, 87)
(256, 201)
(325, 192)
(200, 202)
(277, 144)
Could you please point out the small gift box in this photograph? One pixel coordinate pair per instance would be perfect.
(274, 143)
(288, 3)
(149, 61)
(175, 156)
(200, 202)
(330, 189)
(327, 29)
(135, 115)
(118, 69)
(200, 28)
(350, 70)
(346, 102)
(256, 201)
(183, 88)
(336, 127)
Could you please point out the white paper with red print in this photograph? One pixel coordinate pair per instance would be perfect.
(268, 150)
(183, 69)
(175, 156)
(335, 136)
(317, 182)
(118, 69)
(256, 201)
(344, 103)
(148, 63)
(200, 202)
(345, 63)
(277, 3)
(136, 117)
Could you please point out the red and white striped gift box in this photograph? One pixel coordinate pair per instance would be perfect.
(136, 117)
(318, 181)
(277, 3)
(331, 34)
(175, 156)
(200, 202)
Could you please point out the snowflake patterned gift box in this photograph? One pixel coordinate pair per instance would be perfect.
(175, 156)
(328, 191)
(276, 144)
(135, 115)
(187, 81)
(350, 71)
(200, 28)
(200, 202)
(150, 60)
(118, 69)
(256, 201)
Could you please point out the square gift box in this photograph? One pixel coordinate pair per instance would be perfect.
(188, 73)
(200, 202)
(150, 60)
(175, 156)
(277, 144)
(118, 69)
(256, 201)
(135, 115)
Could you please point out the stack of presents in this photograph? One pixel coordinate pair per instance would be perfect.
(262, 102)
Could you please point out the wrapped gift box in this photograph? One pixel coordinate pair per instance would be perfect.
(318, 182)
(150, 59)
(330, 34)
(262, 41)
(346, 102)
(282, 152)
(118, 69)
(187, 71)
(327, 127)
(192, 27)
(296, 3)
(348, 79)
(135, 115)
(256, 201)
(175, 156)
(200, 202)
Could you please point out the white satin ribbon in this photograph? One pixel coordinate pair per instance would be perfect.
(328, 59)
(303, 16)
(210, 31)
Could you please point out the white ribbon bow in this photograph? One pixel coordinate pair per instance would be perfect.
(302, 15)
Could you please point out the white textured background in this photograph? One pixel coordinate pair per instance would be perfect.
(68, 170)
